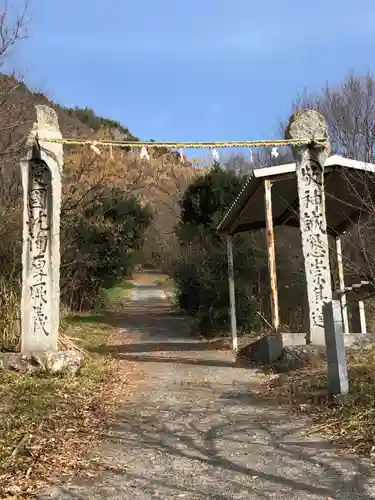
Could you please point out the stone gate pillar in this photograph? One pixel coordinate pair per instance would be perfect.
(41, 180)
(310, 126)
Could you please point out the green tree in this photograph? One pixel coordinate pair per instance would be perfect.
(200, 271)
(100, 246)
(206, 201)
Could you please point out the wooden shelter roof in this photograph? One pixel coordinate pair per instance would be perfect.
(349, 184)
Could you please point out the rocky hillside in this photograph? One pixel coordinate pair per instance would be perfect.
(17, 114)
(159, 181)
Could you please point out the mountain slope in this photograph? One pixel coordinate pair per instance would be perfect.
(159, 182)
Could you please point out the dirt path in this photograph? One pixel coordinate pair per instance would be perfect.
(195, 429)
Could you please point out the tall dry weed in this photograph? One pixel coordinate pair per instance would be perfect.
(10, 317)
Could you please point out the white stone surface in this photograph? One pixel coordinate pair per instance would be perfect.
(310, 182)
(362, 316)
(41, 180)
(310, 126)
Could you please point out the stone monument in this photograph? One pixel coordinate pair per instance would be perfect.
(309, 126)
(41, 180)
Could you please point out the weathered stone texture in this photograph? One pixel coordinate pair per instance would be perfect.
(41, 180)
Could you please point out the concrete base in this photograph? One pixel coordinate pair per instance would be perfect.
(293, 338)
(269, 348)
(264, 350)
(359, 340)
(349, 339)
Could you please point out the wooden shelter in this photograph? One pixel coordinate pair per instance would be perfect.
(271, 197)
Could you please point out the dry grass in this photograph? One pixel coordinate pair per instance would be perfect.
(10, 325)
(347, 419)
(119, 291)
(48, 424)
(45, 421)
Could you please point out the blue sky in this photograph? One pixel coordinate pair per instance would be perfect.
(193, 69)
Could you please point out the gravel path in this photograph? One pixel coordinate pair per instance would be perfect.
(196, 430)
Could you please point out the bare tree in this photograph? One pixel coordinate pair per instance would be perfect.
(258, 158)
(14, 109)
(238, 164)
(15, 102)
(175, 176)
(12, 27)
(349, 109)
(87, 176)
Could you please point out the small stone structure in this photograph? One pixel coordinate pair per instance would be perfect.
(309, 125)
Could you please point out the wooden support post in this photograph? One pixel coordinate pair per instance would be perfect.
(232, 294)
(362, 316)
(271, 255)
(340, 269)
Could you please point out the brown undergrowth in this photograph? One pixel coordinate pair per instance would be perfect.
(9, 316)
(48, 424)
(348, 420)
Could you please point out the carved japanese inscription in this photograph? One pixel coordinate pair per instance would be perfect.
(38, 243)
(41, 181)
(309, 129)
(310, 179)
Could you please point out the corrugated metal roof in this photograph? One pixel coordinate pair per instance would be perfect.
(247, 211)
